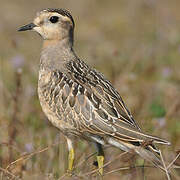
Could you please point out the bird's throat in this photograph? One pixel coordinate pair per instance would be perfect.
(64, 42)
(47, 43)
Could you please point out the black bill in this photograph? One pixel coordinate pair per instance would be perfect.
(27, 27)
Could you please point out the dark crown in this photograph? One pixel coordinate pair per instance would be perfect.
(63, 12)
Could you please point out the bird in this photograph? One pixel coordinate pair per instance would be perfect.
(79, 100)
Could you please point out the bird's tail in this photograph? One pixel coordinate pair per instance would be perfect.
(143, 144)
(147, 151)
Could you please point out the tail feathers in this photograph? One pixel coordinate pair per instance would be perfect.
(157, 140)
(149, 153)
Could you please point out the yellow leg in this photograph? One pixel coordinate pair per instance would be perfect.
(70, 160)
(70, 155)
(100, 160)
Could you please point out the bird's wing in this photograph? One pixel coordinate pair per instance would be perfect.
(102, 110)
(106, 96)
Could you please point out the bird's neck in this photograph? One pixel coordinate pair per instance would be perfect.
(47, 43)
(63, 42)
(55, 53)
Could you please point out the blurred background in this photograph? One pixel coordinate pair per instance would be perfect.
(136, 44)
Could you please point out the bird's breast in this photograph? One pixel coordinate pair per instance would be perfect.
(53, 94)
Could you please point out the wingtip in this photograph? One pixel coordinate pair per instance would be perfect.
(157, 140)
(162, 141)
(168, 143)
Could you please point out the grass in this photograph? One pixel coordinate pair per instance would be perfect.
(135, 44)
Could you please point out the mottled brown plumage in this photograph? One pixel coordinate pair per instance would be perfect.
(79, 100)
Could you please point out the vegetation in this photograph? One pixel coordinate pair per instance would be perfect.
(136, 44)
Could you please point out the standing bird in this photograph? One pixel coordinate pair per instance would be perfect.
(79, 100)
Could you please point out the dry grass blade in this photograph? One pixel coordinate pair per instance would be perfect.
(63, 176)
(127, 168)
(116, 170)
(7, 172)
(165, 168)
(28, 156)
(170, 165)
(84, 160)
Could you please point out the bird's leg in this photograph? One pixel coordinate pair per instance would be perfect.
(70, 155)
(100, 157)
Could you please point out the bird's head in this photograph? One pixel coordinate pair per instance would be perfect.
(52, 24)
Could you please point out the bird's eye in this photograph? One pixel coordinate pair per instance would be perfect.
(54, 19)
